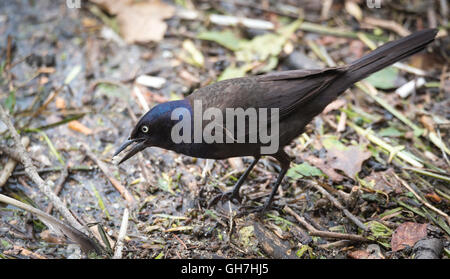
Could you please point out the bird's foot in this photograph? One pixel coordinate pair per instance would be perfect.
(258, 210)
(227, 196)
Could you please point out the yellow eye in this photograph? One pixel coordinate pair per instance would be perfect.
(144, 129)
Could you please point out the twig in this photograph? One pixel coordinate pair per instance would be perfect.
(11, 152)
(315, 232)
(181, 241)
(87, 244)
(142, 102)
(119, 187)
(49, 99)
(30, 169)
(335, 244)
(54, 169)
(122, 233)
(12, 161)
(59, 186)
(18, 250)
(443, 214)
(387, 24)
(338, 205)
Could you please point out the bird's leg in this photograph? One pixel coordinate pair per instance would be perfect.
(285, 161)
(234, 194)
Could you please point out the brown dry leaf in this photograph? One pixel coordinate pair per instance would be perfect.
(407, 234)
(348, 160)
(60, 103)
(427, 122)
(384, 181)
(79, 127)
(89, 22)
(372, 251)
(139, 21)
(49, 237)
(329, 171)
(359, 254)
(18, 250)
(433, 197)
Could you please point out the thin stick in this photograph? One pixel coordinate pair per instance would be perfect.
(56, 169)
(119, 187)
(86, 243)
(443, 214)
(59, 186)
(181, 241)
(12, 161)
(338, 205)
(11, 152)
(122, 233)
(30, 169)
(315, 232)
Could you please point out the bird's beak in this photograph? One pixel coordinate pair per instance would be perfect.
(142, 144)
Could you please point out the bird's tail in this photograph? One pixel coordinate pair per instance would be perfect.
(388, 54)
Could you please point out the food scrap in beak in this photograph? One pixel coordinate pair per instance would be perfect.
(141, 145)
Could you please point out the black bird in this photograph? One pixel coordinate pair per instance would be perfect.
(299, 95)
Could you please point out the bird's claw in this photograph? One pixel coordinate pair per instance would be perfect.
(259, 210)
(227, 196)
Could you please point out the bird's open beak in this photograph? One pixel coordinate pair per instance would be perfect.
(141, 145)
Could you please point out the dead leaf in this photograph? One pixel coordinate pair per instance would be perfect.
(433, 197)
(60, 103)
(383, 181)
(329, 171)
(139, 21)
(79, 127)
(89, 22)
(372, 251)
(407, 234)
(49, 237)
(359, 254)
(349, 160)
(17, 250)
(427, 122)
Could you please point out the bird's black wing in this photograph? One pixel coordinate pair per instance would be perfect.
(286, 90)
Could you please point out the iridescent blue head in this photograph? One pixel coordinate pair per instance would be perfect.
(153, 129)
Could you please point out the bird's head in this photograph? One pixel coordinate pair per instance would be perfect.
(153, 129)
